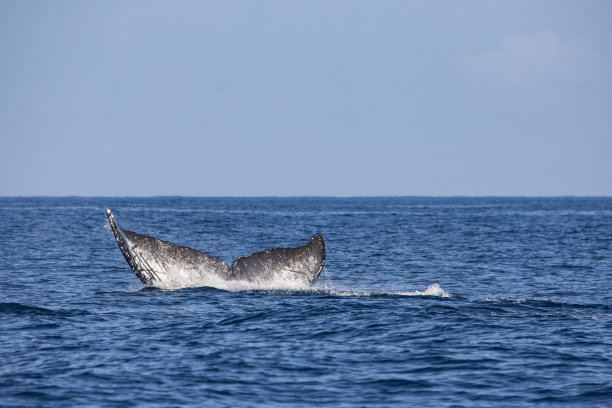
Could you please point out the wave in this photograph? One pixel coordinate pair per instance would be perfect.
(542, 302)
(19, 308)
(27, 309)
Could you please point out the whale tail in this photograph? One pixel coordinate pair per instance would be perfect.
(162, 263)
(165, 264)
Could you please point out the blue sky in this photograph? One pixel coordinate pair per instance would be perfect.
(335, 98)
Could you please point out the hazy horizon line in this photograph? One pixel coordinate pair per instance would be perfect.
(309, 196)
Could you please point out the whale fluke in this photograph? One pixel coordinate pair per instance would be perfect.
(165, 264)
(301, 263)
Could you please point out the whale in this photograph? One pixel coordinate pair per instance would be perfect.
(164, 264)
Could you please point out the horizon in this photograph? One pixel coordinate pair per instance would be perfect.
(315, 196)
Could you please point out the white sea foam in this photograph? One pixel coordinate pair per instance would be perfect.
(505, 299)
(178, 278)
(432, 290)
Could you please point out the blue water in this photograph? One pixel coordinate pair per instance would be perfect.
(521, 314)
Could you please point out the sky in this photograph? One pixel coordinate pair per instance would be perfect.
(303, 98)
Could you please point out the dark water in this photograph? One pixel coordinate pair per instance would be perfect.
(529, 322)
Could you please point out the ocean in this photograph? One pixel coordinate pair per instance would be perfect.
(428, 302)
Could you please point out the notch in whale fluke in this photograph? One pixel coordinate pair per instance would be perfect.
(165, 264)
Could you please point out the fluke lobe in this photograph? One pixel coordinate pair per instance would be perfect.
(167, 265)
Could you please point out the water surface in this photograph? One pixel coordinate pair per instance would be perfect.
(423, 302)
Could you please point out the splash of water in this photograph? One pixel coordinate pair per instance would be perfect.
(179, 278)
(432, 290)
(185, 278)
